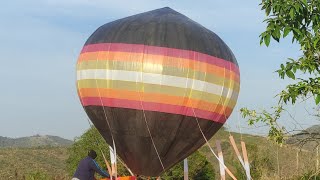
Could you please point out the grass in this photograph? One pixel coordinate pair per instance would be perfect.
(20, 163)
(268, 161)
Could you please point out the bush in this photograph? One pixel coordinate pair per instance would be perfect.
(199, 169)
(91, 139)
(259, 163)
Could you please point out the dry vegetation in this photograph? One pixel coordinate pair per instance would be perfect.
(33, 163)
(268, 161)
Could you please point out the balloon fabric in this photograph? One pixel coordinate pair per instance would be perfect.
(146, 80)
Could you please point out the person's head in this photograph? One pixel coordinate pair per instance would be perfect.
(92, 154)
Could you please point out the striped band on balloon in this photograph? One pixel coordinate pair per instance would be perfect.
(157, 78)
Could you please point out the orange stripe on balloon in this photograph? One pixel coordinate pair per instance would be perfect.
(159, 59)
(172, 52)
(153, 97)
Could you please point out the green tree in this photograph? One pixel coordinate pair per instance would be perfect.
(199, 167)
(91, 139)
(299, 19)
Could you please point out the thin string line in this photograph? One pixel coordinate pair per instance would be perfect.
(79, 91)
(98, 144)
(104, 158)
(104, 111)
(222, 163)
(144, 115)
(145, 120)
(227, 169)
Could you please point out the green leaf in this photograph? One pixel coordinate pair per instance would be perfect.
(261, 41)
(305, 2)
(298, 7)
(297, 31)
(286, 31)
(294, 69)
(267, 40)
(292, 13)
(315, 43)
(317, 99)
(276, 33)
(268, 9)
(290, 74)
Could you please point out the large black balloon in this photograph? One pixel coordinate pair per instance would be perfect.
(175, 136)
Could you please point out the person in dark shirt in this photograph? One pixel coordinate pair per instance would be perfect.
(87, 167)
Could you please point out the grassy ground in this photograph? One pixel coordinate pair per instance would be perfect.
(24, 163)
(268, 161)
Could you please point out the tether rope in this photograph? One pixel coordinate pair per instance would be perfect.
(98, 144)
(208, 144)
(144, 115)
(104, 111)
(104, 158)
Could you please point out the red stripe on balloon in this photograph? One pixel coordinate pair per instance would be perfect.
(150, 106)
(179, 53)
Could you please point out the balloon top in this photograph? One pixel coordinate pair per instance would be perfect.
(163, 27)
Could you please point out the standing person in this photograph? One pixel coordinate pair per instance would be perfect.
(87, 167)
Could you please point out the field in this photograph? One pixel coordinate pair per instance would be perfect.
(268, 161)
(28, 163)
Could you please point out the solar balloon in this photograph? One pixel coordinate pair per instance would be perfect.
(145, 82)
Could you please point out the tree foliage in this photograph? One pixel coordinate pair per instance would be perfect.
(300, 20)
(91, 139)
(276, 131)
(199, 167)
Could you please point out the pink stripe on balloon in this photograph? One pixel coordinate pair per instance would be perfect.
(150, 106)
(140, 48)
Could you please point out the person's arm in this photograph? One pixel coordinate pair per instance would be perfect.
(94, 165)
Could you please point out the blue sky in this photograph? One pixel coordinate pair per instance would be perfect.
(41, 40)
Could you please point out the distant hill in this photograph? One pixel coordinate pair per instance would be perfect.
(308, 139)
(34, 141)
